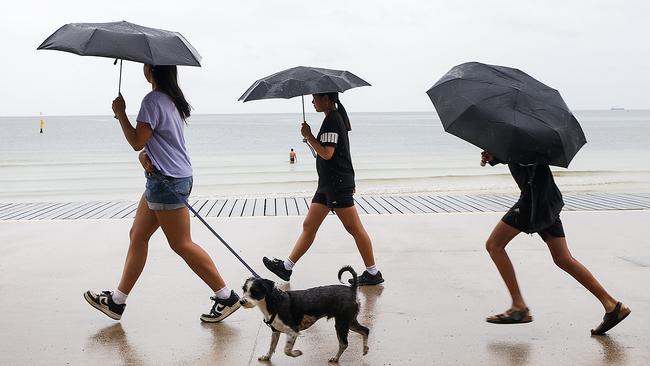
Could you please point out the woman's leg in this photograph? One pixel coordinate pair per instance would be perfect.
(176, 226)
(144, 225)
(496, 246)
(563, 259)
(350, 219)
(315, 216)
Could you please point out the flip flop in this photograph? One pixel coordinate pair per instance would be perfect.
(611, 319)
(511, 316)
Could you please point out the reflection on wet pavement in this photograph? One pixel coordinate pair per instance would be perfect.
(113, 340)
(510, 353)
(613, 352)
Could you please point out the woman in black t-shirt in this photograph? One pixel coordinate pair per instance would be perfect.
(334, 192)
(538, 211)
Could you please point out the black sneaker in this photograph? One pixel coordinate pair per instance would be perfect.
(222, 308)
(277, 267)
(366, 279)
(103, 302)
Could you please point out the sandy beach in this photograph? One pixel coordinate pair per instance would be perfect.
(440, 286)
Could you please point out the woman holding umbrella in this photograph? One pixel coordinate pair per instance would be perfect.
(521, 121)
(335, 190)
(540, 213)
(159, 130)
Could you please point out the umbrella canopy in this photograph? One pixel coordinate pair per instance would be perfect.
(125, 41)
(302, 80)
(507, 113)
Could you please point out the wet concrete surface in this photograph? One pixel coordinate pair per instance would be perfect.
(440, 285)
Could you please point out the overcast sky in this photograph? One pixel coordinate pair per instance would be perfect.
(596, 53)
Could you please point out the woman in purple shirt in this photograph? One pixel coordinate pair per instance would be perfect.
(159, 130)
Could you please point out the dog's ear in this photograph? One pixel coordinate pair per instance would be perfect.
(268, 286)
(261, 288)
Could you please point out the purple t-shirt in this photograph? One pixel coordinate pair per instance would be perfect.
(166, 147)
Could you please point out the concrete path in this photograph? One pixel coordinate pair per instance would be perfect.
(440, 286)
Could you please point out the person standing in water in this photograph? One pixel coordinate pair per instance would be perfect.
(335, 190)
(538, 211)
(292, 157)
(160, 131)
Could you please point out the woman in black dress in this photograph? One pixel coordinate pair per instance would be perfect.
(538, 211)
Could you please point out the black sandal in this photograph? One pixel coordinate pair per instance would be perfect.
(611, 319)
(511, 316)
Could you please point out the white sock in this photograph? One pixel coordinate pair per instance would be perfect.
(119, 297)
(372, 269)
(223, 294)
(288, 264)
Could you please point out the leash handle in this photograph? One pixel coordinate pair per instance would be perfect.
(164, 179)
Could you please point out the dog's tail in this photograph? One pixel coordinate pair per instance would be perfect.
(355, 280)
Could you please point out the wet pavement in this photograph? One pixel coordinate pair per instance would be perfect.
(440, 286)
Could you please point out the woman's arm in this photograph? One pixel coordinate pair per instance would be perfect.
(325, 152)
(136, 137)
(145, 161)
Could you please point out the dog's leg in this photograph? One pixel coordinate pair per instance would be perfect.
(288, 347)
(342, 329)
(274, 342)
(356, 327)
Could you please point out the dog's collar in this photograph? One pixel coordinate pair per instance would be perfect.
(270, 322)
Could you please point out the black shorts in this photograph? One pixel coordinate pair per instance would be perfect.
(520, 222)
(332, 200)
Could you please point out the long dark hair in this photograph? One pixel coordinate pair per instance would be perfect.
(166, 77)
(334, 97)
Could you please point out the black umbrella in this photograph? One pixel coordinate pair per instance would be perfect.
(508, 113)
(301, 81)
(123, 41)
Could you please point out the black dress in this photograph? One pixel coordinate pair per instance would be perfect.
(540, 201)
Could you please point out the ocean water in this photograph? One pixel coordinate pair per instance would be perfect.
(246, 155)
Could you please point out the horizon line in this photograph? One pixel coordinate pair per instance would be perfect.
(298, 112)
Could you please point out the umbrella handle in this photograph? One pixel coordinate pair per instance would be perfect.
(119, 82)
(302, 97)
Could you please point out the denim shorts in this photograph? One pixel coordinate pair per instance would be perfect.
(158, 194)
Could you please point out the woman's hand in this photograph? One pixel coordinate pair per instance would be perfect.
(486, 157)
(305, 130)
(145, 161)
(119, 106)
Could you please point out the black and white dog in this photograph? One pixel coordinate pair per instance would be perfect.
(292, 311)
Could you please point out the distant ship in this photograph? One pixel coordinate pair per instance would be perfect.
(617, 109)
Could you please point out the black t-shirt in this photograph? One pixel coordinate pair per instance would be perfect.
(337, 173)
(540, 195)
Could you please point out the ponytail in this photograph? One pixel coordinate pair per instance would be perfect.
(334, 97)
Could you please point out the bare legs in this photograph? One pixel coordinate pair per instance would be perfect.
(496, 246)
(563, 259)
(144, 225)
(315, 216)
(504, 233)
(176, 226)
(350, 219)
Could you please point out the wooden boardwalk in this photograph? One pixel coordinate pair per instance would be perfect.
(298, 206)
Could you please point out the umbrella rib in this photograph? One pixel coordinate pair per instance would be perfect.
(148, 46)
(85, 46)
(189, 46)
